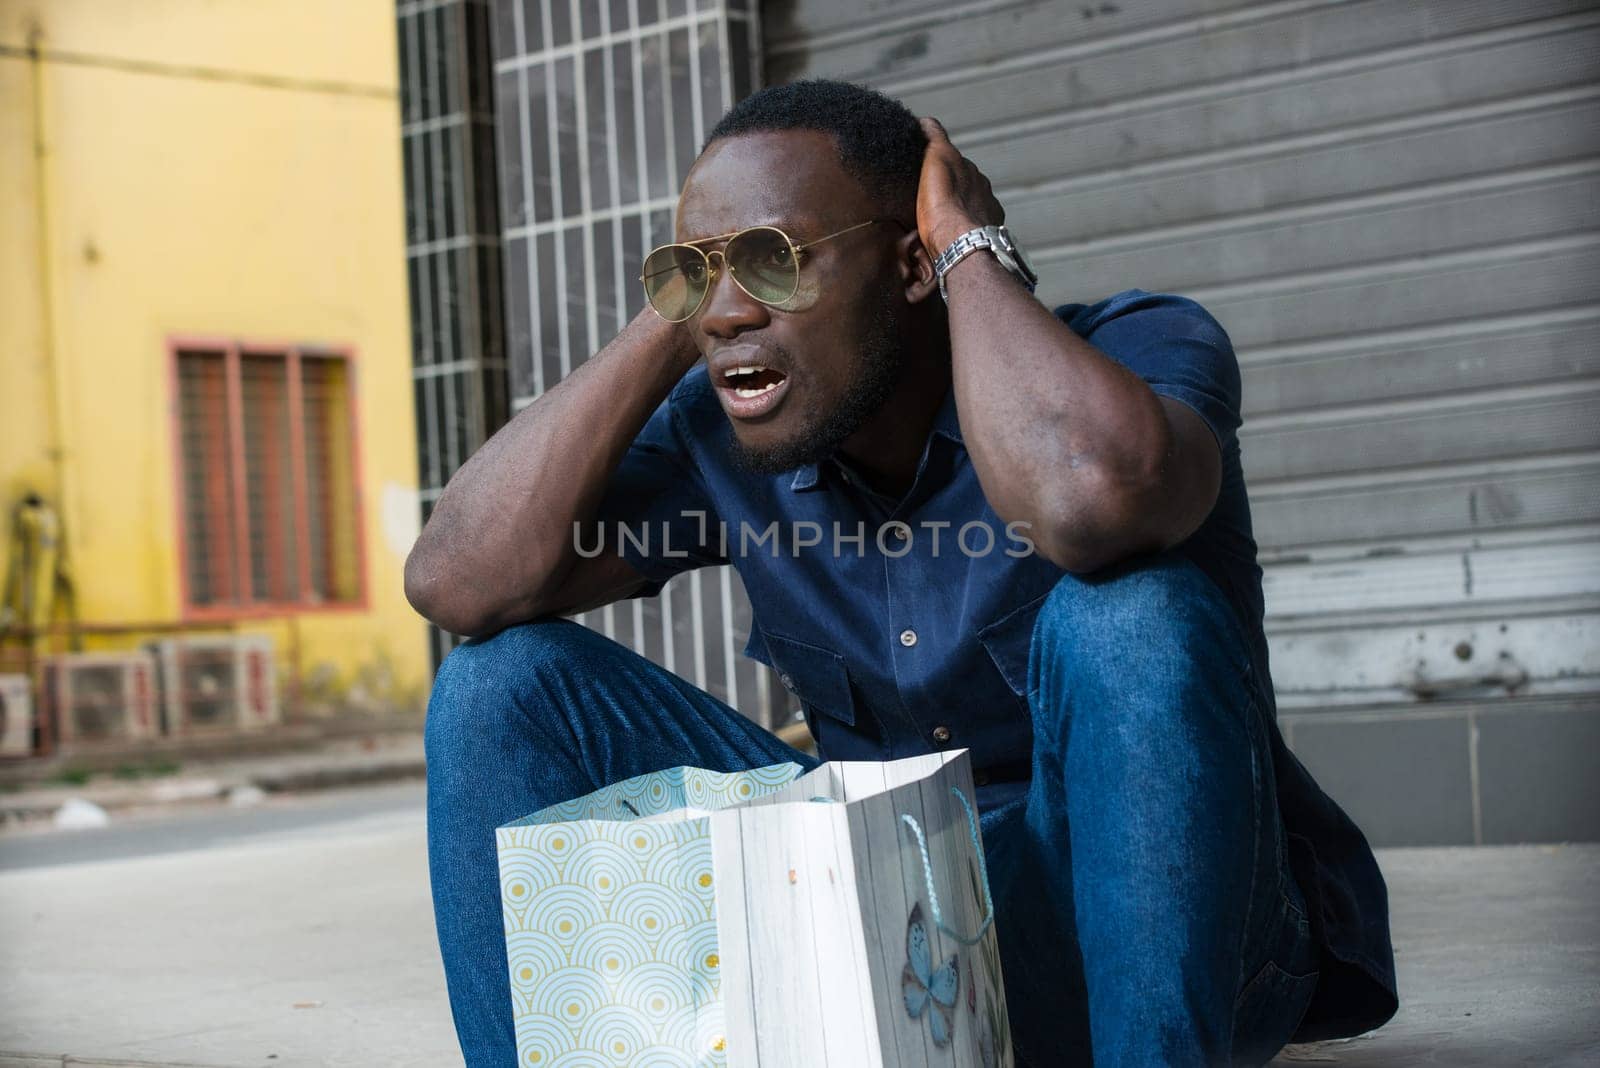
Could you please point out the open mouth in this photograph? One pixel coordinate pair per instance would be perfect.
(751, 389)
(753, 381)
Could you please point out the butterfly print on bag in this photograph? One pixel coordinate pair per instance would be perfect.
(928, 990)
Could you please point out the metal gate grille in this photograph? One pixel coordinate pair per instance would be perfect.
(452, 238)
(562, 179)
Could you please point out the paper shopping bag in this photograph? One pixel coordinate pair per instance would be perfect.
(839, 918)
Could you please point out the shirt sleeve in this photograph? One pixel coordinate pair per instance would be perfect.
(656, 513)
(1175, 345)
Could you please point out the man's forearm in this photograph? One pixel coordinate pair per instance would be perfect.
(1061, 436)
(500, 538)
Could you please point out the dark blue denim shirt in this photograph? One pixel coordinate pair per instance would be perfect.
(904, 626)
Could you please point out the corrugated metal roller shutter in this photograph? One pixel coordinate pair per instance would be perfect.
(1391, 205)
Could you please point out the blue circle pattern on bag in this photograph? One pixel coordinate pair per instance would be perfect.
(611, 924)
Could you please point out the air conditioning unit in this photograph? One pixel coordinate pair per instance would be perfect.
(16, 716)
(98, 697)
(227, 684)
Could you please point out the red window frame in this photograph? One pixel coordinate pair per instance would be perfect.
(227, 498)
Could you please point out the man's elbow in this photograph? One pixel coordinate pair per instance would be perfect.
(1074, 552)
(436, 598)
(1096, 530)
(457, 604)
(422, 587)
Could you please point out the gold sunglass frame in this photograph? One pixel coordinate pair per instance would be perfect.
(796, 249)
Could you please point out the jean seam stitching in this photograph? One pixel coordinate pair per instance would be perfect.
(1255, 835)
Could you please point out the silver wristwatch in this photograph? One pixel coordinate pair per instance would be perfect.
(997, 239)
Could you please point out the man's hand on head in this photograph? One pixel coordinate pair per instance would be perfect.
(953, 195)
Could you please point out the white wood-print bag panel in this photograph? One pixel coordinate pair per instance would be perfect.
(864, 935)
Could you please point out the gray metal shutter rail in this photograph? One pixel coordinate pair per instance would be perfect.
(1391, 206)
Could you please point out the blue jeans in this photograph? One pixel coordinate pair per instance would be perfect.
(1146, 911)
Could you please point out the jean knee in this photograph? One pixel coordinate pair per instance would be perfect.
(1135, 644)
(489, 688)
(1153, 605)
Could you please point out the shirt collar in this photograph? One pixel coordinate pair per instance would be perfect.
(945, 424)
(805, 478)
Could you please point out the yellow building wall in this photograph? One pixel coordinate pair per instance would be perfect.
(227, 168)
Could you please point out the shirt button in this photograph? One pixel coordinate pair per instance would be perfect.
(941, 734)
(980, 778)
(788, 683)
(902, 533)
(908, 637)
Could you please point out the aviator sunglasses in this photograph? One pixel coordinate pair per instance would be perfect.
(763, 260)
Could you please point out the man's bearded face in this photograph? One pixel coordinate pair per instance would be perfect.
(829, 357)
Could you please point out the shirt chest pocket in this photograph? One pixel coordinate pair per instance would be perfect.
(1008, 641)
(815, 675)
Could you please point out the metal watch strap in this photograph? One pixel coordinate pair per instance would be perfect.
(975, 240)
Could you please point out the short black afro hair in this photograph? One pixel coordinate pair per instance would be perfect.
(880, 142)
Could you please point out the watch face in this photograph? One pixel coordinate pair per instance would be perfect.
(1016, 254)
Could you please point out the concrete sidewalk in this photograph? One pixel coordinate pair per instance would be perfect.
(314, 945)
(305, 946)
(1498, 954)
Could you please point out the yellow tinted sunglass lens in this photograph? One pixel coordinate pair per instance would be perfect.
(675, 278)
(764, 263)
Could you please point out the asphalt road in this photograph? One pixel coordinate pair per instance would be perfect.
(176, 829)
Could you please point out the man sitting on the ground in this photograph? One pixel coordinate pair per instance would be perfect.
(1020, 532)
